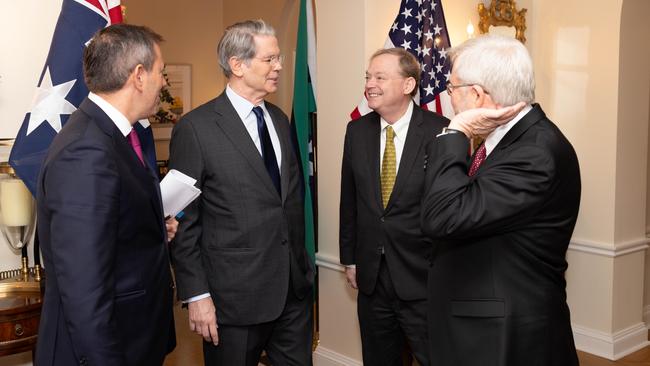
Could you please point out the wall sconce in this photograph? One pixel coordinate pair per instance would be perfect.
(17, 224)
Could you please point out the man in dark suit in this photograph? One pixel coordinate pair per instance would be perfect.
(108, 293)
(382, 182)
(239, 256)
(503, 219)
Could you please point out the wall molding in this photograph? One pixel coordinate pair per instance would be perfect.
(611, 346)
(609, 250)
(329, 262)
(646, 315)
(327, 357)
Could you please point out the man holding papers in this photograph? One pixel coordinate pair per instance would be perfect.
(108, 293)
(239, 255)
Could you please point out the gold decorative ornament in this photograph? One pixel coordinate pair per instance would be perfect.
(502, 13)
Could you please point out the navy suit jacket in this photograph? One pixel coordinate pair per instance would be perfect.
(108, 293)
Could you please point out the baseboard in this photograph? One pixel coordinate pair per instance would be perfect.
(611, 346)
(327, 357)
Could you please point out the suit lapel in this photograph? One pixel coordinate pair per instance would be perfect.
(233, 127)
(126, 154)
(412, 144)
(373, 150)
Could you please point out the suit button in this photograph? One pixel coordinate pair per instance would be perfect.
(284, 241)
(382, 219)
(83, 361)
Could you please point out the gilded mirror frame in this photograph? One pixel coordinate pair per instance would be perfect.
(502, 13)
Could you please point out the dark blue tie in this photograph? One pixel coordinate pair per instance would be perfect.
(268, 154)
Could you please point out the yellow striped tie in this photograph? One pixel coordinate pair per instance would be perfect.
(388, 167)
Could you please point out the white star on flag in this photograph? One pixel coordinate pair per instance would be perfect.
(49, 103)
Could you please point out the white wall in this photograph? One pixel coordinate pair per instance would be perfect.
(27, 31)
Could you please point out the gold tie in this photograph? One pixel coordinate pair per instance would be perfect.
(388, 167)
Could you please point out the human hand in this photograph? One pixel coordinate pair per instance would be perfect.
(481, 121)
(203, 319)
(351, 275)
(172, 226)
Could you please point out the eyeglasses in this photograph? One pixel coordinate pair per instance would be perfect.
(272, 60)
(451, 87)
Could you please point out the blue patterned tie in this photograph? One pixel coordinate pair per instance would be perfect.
(268, 154)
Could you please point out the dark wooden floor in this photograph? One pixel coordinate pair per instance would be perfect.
(641, 357)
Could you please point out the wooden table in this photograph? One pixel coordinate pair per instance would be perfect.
(20, 313)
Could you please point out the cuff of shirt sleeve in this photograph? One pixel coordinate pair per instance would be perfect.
(196, 298)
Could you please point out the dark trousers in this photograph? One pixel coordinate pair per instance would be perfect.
(387, 322)
(286, 340)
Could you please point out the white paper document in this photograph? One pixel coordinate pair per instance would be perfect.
(177, 191)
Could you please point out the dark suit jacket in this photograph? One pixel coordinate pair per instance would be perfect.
(108, 296)
(497, 287)
(240, 241)
(366, 226)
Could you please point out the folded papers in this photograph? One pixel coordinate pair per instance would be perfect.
(178, 191)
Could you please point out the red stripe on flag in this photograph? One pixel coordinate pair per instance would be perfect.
(438, 105)
(96, 4)
(115, 14)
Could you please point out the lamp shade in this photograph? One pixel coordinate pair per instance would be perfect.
(15, 203)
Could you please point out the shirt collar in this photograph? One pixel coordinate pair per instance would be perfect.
(242, 106)
(400, 126)
(115, 115)
(495, 136)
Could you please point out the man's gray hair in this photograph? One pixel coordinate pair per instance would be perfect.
(114, 52)
(238, 41)
(501, 65)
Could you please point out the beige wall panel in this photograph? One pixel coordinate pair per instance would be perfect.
(628, 291)
(632, 144)
(577, 81)
(590, 290)
(339, 327)
(191, 31)
(340, 59)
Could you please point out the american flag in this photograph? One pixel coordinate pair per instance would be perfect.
(61, 87)
(420, 28)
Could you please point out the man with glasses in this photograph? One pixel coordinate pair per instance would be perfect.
(239, 254)
(502, 219)
(382, 183)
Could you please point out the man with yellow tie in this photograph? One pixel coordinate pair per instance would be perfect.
(382, 183)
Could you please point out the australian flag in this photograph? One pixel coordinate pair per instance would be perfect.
(420, 28)
(61, 87)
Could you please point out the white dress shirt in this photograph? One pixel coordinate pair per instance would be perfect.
(116, 116)
(244, 109)
(495, 136)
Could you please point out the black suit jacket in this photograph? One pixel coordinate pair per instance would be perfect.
(497, 287)
(366, 226)
(240, 241)
(108, 295)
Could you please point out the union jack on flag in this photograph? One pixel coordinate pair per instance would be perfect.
(420, 28)
(61, 87)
